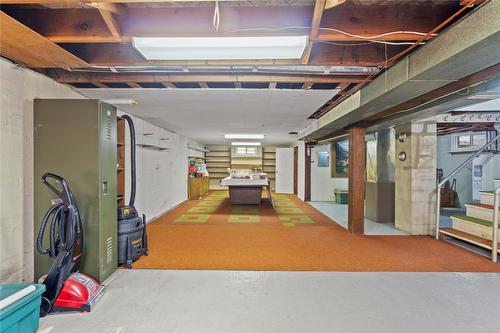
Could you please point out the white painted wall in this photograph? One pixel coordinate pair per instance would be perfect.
(449, 162)
(161, 175)
(18, 88)
(322, 184)
(301, 169)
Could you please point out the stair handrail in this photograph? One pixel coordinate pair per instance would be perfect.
(494, 236)
(460, 167)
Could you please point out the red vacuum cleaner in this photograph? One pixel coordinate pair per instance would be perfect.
(66, 288)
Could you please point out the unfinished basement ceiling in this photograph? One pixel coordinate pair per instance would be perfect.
(89, 44)
(206, 114)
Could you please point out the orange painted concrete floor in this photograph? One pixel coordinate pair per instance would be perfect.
(211, 234)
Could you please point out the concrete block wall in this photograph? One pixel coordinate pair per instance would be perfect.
(162, 176)
(18, 88)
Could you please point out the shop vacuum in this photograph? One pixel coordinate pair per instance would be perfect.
(132, 237)
(65, 288)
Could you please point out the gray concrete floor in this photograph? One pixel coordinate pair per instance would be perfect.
(239, 301)
(339, 213)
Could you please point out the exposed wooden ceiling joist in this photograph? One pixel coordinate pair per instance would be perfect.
(377, 20)
(329, 4)
(168, 85)
(123, 54)
(79, 77)
(84, 25)
(25, 46)
(316, 19)
(313, 33)
(107, 11)
(23, 2)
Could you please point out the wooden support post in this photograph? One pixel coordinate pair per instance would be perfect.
(307, 172)
(357, 163)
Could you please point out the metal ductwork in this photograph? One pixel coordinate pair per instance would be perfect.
(469, 46)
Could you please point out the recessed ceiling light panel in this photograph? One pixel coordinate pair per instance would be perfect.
(244, 136)
(220, 48)
(245, 143)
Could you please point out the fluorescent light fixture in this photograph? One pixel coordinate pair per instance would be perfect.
(220, 48)
(244, 136)
(121, 101)
(245, 143)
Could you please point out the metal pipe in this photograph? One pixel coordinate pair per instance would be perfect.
(494, 247)
(460, 167)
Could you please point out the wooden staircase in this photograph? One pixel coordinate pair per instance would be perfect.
(476, 226)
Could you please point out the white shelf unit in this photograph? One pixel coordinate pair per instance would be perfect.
(218, 159)
(150, 136)
(269, 163)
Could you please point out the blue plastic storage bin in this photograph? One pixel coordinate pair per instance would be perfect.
(23, 315)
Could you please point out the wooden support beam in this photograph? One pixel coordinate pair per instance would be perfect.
(357, 165)
(371, 21)
(342, 87)
(316, 19)
(74, 77)
(362, 55)
(307, 85)
(306, 56)
(133, 85)
(99, 84)
(25, 46)
(169, 85)
(79, 2)
(109, 7)
(313, 34)
(470, 2)
(329, 4)
(107, 11)
(307, 171)
(85, 25)
(123, 54)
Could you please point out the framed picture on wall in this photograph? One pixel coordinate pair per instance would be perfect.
(340, 158)
(323, 159)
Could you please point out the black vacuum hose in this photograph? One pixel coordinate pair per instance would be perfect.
(132, 158)
(56, 217)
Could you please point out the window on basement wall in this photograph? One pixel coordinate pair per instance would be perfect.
(469, 141)
(243, 151)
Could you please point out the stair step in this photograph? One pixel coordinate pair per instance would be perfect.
(480, 211)
(484, 243)
(478, 227)
(486, 197)
(474, 220)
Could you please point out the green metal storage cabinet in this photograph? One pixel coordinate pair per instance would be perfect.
(76, 139)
